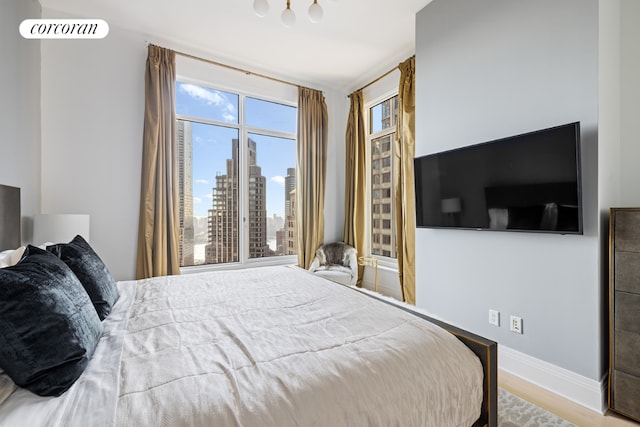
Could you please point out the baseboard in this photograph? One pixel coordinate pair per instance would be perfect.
(582, 390)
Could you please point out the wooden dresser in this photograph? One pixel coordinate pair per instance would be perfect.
(624, 311)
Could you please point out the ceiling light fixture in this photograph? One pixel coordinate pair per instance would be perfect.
(261, 7)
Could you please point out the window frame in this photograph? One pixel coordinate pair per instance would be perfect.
(383, 261)
(244, 261)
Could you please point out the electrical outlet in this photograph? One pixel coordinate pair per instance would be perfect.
(494, 317)
(516, 324)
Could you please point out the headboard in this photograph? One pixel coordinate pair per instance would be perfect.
(10, 224)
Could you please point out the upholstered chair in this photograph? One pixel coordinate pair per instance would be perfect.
(337, 262)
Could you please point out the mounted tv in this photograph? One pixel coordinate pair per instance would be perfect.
(529, 182)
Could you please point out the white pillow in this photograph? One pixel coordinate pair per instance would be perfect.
(11, 257)
(7, 386)
(498, 218)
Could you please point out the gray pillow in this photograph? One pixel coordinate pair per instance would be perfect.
(48, 326)
(92, 272)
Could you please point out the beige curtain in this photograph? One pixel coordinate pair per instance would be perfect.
(311, 171)
(405, 186)
(355, 193)
(157, 227)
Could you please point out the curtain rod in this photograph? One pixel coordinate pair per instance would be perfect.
(247, 72)
(380, 77)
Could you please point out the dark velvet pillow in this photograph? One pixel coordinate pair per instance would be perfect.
(48, 326)
(93, 274)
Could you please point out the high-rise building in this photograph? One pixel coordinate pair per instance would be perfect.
(281, 241)
(382, 235)
(286, 239)
(224, 245)
(185, 192)
(290, 225)
(258, 246)
(289, 186)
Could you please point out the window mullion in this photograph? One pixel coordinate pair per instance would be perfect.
(275, 134)
(207, 121)
(243, 193)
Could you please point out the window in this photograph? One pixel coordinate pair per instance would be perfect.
(382, 124)
(236, 199)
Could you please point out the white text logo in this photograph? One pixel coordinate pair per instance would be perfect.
(64, 29)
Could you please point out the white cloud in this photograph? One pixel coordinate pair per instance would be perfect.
(197, 200)
(209, 196)
(202, 181)
(211, 97)
(278, 179)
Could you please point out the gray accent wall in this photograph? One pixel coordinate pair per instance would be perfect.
(487, 70)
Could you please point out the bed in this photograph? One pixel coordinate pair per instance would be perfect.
(269, 346)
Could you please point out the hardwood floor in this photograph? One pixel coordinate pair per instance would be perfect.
(564, 408)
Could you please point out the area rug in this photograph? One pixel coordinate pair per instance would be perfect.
(516, 412)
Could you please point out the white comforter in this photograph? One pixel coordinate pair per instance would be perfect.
(274, 346)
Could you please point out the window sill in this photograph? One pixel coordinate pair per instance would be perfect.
(388, 264)
(389, 268)
(252, 263)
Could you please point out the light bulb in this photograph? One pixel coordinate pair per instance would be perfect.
(315, 12)
(261, 7)
(288, 18)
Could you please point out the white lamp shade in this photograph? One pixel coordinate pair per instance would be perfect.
(59, 228)
(315, 12)
(288, 18)
(261, 7)
(451, 205)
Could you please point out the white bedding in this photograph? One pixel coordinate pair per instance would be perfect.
(274, 346)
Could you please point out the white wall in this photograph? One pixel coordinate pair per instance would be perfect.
(609, 134)
(488, 70)
(610, 101)
(92, 117)
(338, 112)
(619, 103)
(19, 109)
(92, 111)
(630, 102)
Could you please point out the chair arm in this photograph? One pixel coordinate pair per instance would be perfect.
(315, 264)
(353, 264)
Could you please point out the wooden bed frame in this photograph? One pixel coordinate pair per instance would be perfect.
(487, 352)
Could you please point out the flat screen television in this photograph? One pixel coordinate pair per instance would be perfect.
(529, 182)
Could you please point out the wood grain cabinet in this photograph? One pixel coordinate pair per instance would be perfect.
(624, 311)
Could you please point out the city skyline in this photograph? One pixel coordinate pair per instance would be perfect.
(215, 182)
(212, 144)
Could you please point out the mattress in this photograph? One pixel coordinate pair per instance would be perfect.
(271, 346)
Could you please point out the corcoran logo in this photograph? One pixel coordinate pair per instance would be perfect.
(64, 28)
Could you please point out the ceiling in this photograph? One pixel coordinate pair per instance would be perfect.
(356, 40)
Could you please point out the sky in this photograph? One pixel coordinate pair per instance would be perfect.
(212, 144)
